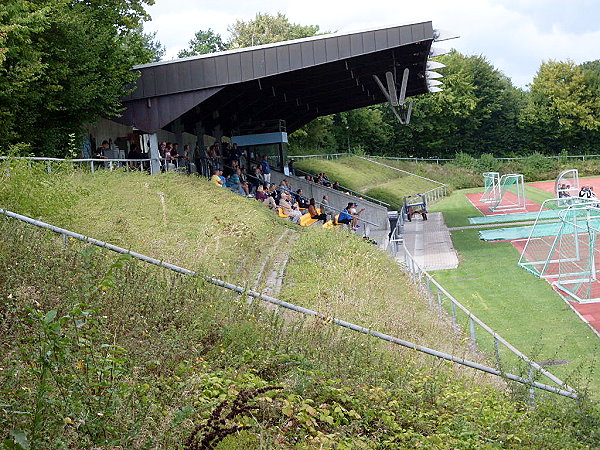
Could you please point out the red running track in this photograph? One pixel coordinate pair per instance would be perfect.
(510, 197)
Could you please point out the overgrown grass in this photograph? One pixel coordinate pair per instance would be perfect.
(388, 185)
(102, 351)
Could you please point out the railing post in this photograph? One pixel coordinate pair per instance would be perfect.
(439, 300)
(497, 353)
(472, 329)
(531, 388)
(429, 295)
(453, 308)
(92, 166)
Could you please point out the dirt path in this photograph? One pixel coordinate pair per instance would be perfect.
(269, 279)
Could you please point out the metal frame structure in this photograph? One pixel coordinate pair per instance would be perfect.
(567, 184)
(491, 182)
(506, 181)
(538, 255)
(581, 284)
(569, 257)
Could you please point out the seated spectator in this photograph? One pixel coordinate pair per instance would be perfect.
(216, 179)
(299, 198)
(262, 196)
(314, 214)
(134, 153)
(325, 207)
(234, 183)
(355, 215)
(244, 179)
(259, 179)
(585, 192)
(345, 216)
(101, 151)
(286, 205)
(336, 186)
(273, 192)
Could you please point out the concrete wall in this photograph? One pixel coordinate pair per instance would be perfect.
(373, 212)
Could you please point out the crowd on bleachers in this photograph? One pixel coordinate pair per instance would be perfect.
(283, 199)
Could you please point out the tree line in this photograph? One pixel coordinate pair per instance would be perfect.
(66, 63)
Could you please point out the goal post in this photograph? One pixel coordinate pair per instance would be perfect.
(491, 183)
(512, 194)
(565, 250)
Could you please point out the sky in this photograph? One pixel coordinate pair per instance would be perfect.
(516, 36)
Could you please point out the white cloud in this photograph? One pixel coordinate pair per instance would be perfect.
(514, 35)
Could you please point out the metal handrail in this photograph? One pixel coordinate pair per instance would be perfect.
(344, 188)
(414, 268)
(241, 290)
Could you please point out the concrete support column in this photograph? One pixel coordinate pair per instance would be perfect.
(154, 154)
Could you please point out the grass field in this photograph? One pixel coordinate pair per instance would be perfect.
(523, 309)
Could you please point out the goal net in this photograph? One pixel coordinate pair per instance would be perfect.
(512, 193)
(491, 182)
(565, 250)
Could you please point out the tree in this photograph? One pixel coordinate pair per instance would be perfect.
(64, 64)
(266, 29)
(204, 42)
(563, 108)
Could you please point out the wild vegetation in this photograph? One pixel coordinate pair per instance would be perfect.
(98, 350)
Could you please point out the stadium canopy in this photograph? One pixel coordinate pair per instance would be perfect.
(257, 89)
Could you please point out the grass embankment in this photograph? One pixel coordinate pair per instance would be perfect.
(374, 180)
(523, 309)
(98, 350)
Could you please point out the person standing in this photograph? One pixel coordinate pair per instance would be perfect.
(266, 169)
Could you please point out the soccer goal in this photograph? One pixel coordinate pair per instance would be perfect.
(566, 250)
(567, 184)
(512, 194)
(491, 182)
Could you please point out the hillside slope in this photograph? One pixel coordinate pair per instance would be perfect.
(98, 350)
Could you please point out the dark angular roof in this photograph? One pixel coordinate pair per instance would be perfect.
(296, 81)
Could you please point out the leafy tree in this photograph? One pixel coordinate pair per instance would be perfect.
(64, 64)
(204, 41)
(563, 108)
(266, 29)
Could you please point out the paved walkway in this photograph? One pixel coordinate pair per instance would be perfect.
(429, 242)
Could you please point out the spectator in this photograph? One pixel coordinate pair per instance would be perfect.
(345, 216)
(262, 196)
(312, 210)
(286, 206)
(216, 179)
(355, 215)
(234, 183)
(134, 153)
(266, 169)
(299, 197)
(273, 192)
(291, 166)
(244, 179)
(325, 207)
(101, 151)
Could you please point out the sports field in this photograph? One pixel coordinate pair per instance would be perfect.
(525, 309)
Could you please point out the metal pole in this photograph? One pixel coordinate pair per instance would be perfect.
(306, 311)
(472, 328)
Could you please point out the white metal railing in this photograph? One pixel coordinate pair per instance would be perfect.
(323, 155)
(94, 163)
(564, 390)
(439, 298)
